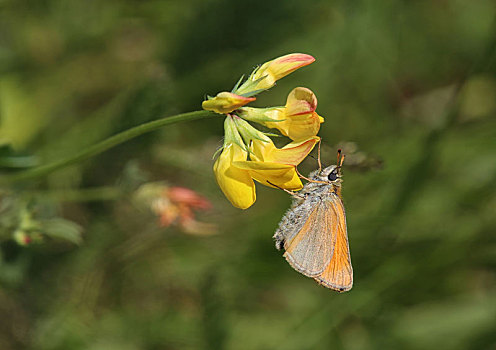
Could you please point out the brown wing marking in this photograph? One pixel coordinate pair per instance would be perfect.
(339, 273)
(310, 251)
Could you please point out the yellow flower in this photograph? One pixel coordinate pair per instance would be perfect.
(268, 73)
(235, 175)
(236, 183)
(297, 120)
(269, 165)
(226, 102)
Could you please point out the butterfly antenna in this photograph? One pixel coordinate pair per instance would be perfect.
(313, 157)
(340, 159)
(318, 156)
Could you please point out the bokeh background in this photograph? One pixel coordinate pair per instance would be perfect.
(408, 88)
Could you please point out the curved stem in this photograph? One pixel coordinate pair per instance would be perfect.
(104, 145)
(104, 193)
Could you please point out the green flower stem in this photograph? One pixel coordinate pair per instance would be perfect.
(104, 145)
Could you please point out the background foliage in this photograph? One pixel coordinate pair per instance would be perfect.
(409, 83)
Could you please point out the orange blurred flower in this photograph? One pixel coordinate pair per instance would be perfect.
(176, 206)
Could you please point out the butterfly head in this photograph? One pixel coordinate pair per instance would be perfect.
(330, 174)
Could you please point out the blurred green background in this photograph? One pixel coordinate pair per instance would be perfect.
(409, 87)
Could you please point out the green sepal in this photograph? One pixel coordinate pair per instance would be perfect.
(251, 83)
(252, 93)
(271, 134)
(242, 146)
(263, 119)
(219, 150)
(237, 85)
(248, 132)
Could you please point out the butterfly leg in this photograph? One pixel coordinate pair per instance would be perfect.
(292, 193)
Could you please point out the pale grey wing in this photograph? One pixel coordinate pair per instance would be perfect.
(311, 249)
(338, 275)
(293, 221)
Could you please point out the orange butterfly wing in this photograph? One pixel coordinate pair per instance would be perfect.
(338, 275)
(310, 251)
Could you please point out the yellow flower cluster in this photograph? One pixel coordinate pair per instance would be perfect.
(249, 154)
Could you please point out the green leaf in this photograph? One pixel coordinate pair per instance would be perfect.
(8, 158)
(62, 229)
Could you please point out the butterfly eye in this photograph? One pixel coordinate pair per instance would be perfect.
(333, 175)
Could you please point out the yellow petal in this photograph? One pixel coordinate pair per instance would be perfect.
(301, 101)
(268, 73)
(292, 185)
(298, 119)
(293, 153)
(272, 174)
(226, 102)
(301, 129)
(236, 183)
(279, 68)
